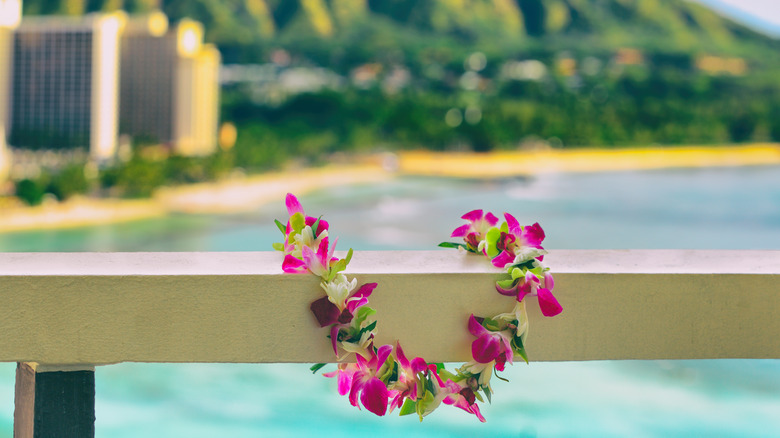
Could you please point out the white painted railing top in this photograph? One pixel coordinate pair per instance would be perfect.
(388, 262)
(93, 308)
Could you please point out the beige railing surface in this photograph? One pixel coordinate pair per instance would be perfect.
(99, 308)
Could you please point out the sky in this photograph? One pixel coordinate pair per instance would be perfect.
(763, 15)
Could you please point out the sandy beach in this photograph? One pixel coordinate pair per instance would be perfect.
(528, 163)
(249, 193)
(229, 196)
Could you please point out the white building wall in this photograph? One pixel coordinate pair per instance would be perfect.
(207, 100)
(6, 45)
(196, 93)
(10, 16)
(105, 87)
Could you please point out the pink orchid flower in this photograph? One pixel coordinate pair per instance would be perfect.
(512, 243)
(529, 285)
(530, 235)
(455, 394)
(328, 313)
(505, 244)
(489, 345)
(360, 381)
(372, 391)
(474, 231)
(466, 400)
(294, 206)
(344, 374)
(408, 381)
(293, 265)
(318, 263)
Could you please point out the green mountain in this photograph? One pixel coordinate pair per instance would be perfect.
(610, 22)
(244, 27)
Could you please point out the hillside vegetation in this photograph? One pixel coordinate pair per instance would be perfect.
(480, 74)
(495, 25)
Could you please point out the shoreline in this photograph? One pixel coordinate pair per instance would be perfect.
(249, 193)
(505, 164)
(219, 197)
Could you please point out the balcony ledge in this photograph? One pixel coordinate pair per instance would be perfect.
(99, 308)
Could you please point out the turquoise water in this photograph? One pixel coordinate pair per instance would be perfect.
(714, 208)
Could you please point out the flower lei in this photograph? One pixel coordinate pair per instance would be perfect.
(383, 378)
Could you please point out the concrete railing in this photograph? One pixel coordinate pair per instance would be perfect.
(63, 313)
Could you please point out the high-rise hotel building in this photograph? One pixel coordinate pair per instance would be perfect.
(66, 83)
(169, 84)
(10, 16)
(82, 81)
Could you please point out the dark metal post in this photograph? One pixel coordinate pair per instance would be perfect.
(54, 403)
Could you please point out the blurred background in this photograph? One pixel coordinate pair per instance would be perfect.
(152, 125)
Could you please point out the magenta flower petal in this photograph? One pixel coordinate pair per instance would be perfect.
(360, 297)
(344, 382)
(418, 365)
(354, 303)
(432, 369)
(548, 303)
(491, 219)
(381, 355)
(534, 235)
(399, 353)
(313, 262)
(463, 399)
(309, 256)
(475, 410)
(453, 389)
(322, 251)
(361, 361)
(397, 401)
(513, 224)
(329, 255)
(326, 312)
(485, 348)
(323, 226)
(334, 339)
(501, 362)
(292, 265)
(293, 205)
(511, 292)
(549, 283)
(461, 231)
(528, 286)
(508, 352)
(473, 215)
(357, 385)
(523, 290)
(374, 396)
(503, 259)
(475, 328)
(365, 290)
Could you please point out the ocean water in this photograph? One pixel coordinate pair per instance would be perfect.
(709, 209)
